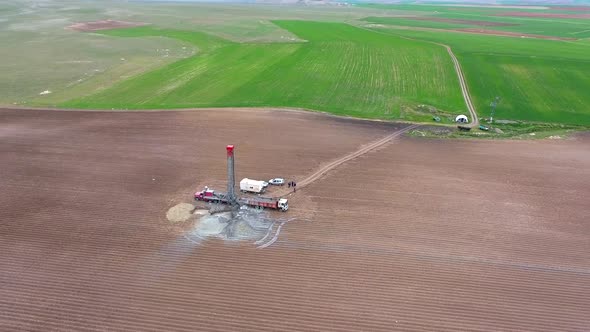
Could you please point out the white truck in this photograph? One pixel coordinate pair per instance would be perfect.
(253, 186)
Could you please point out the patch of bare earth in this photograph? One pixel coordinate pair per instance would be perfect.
(103, 25)
(544, 15)
(458, 21)
(571, 8)
(418, 235)
(510, 34)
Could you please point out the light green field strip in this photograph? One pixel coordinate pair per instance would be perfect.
(537, 80)
(93, 84)
(205, 42)
(197, 81)
(72, 64)
(340, 69)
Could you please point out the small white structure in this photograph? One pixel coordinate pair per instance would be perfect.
(461, 119)
(253, 186)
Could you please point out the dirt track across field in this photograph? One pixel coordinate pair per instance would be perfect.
(462, 84)
(464, 89)
(434, 235)
(363, 150)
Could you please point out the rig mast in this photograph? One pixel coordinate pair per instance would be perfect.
(231, 177)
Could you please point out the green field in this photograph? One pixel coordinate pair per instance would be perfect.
(340, 68)
(537, 80)
(354, 60)
(40, 54)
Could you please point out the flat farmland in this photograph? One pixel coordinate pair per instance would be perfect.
(71, 64)
(537, 80)
(333, 67)
(535, 21)
(416, 235)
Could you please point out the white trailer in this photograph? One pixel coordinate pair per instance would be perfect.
(253, 186)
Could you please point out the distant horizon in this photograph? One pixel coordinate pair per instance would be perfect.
(404, 2)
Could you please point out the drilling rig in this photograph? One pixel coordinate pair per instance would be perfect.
(230, 198)
(231, 176)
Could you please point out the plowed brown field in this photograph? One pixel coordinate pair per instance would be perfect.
(544, 15)
(416, 235)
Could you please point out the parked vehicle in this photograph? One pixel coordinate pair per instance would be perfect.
(211, 196)
(277, 181)
(464, 128)
(281, 204)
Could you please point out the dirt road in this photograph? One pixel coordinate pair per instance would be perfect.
(464, 88)
(330, 166)
(458, 70)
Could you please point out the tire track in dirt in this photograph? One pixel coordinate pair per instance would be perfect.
(325, 169)
(464, 88)
(363, 150)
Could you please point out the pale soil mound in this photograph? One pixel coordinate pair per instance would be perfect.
(180, 212)
(103, 25)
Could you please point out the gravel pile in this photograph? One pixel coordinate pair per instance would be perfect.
(180, 212)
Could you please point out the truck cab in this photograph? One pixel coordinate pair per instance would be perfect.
(283, 204)
(200, 195)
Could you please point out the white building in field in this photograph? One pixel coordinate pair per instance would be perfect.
(461, 119)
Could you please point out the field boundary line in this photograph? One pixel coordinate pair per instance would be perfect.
(205, 109)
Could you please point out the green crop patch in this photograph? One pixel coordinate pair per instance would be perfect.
(339, 68)
(202, 40)
(537, 80)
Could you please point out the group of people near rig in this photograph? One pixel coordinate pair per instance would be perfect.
(293, 185)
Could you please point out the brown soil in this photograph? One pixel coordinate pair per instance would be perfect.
(434, 235)
(572, 8)
(510, 34)
(469, 22)
(546, 15)
(103, 25)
